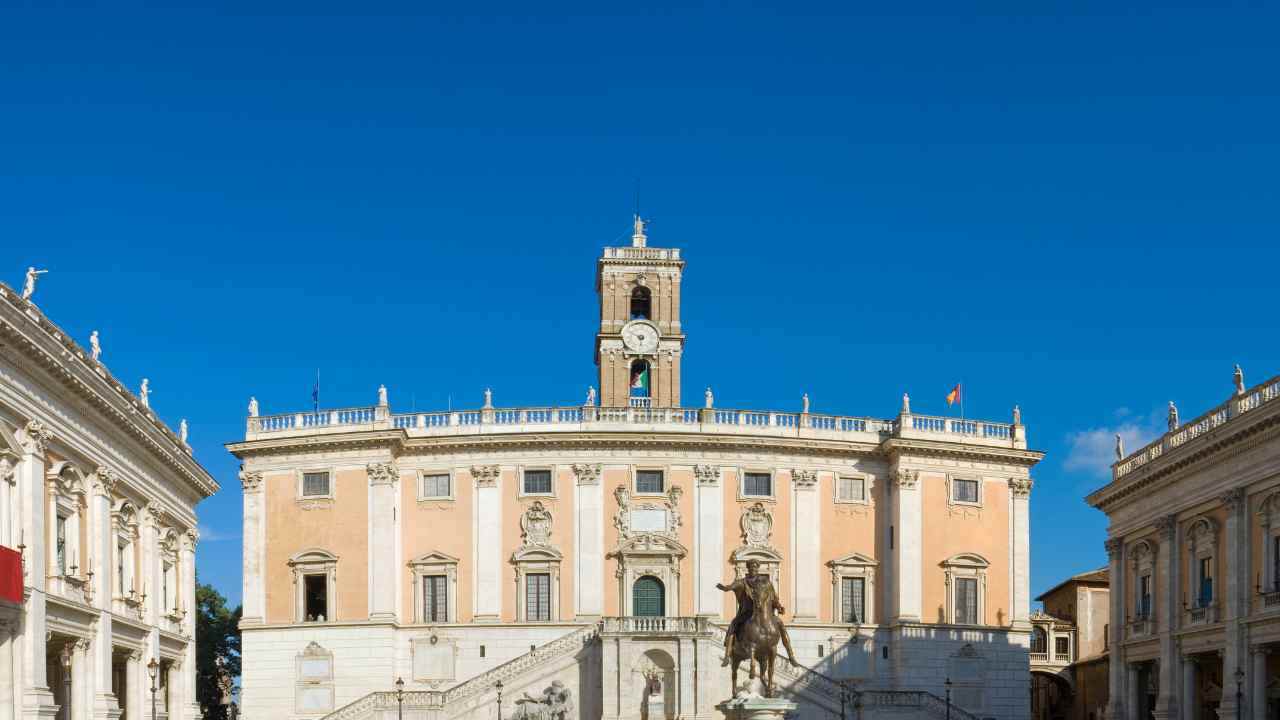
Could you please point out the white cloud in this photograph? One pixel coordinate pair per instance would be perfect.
(1092, 451)
(208, 534)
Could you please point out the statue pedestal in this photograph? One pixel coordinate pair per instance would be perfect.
(756, 708)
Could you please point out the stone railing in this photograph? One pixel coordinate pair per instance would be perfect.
(1203, 614)
(1141, 626)
(1039, 657)
(641, 419)
(564, 645)
(641, 253)
(654, 626)
(1252, 399)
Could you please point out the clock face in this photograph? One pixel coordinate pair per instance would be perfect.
(640, 337)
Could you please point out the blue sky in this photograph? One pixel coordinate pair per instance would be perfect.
(1070, 206)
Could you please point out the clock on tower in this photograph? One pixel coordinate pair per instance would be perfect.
(639, 343)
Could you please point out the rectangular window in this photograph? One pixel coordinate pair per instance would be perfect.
(852, 600)
(1144, 596)
(1206, 581)
(966, 601)
(756, 484)
(537, 482)
(315, 598)
(964, 490)
(62, 545)
(537, 596)
(1275, 563)
(435, 485)
(315, 484)
(852, 489)
(121, 549)
(165, 607)
(1061, 648)
(650, 482)
(435, 600)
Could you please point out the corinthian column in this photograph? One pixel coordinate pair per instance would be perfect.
(1166, 613)
(187, 583)
(100, 547)
(255, 528)
(37, 701)
(907, 546)
(1020, 518)
(1116, 667)
(384, 481)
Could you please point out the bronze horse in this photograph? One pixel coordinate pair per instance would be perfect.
(756, 631)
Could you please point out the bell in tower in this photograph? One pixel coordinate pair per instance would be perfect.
(639, 343)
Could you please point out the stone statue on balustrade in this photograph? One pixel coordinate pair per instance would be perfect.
(95, 348)
(1238, 378)
(382, 396)
(29, 287)
(756, 628)
(591, 395)
(1173, 416)
(710, 399)
(253, 407)
(1119, 447)
(804, 404)
(556, 703)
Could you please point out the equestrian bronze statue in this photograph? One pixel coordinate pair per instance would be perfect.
(754, 633)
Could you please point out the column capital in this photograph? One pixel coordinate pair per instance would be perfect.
(1113, 546)
(485, 476)
(1021, 487)
(906, 479)
(1167, 526)
(1233, 498)
(383, 473)
(804, 479)
(1260, 650)
(34, 438)
(587, 473)
(251, 481)
(707, 475)
(105, 481)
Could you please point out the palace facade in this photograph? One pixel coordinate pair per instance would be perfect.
(574, 552)
(97, 536)
(1194, 546)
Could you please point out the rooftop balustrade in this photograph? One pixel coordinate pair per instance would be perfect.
(591, 418)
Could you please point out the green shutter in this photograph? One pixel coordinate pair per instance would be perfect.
(647, 598)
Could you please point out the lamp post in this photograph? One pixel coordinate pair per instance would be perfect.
(153, 669)
(948, 686)
(65, 656)
(499, 686)
(1239, 694)
(400, 698)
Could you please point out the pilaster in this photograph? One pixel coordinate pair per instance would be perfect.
(1116, 666)
(588, 538)
(1167, 609)
(806, 521)
(100, 550)
(487, 525)
(191, 704)
(708, 547)
(384, 481)
(1235, 596)
(907, 548)
(254, 587)
(37, 701)
(1020, 519)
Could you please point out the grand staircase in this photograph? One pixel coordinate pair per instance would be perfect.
(815, 691)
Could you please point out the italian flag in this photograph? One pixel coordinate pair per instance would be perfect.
(640, 380)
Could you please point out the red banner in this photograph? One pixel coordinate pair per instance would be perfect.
(10, 575)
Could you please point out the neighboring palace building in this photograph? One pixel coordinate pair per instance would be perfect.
(573, 552)
(1069, 649)
(1194, 543)
(97, 535)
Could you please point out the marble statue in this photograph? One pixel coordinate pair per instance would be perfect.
(382, 396)
(29, 287)
(1017, 415)
(144, 393)
(1173, 416)
(1119, 447)
(182, 430)
(488, 398)
(804, 404)
(253, 406)
(1238, 376)
(95, 350)
(711, 399)
(906, 404)
(591, 395)
(556, 703)
(756, 628)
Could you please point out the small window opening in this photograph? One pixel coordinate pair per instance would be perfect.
(641, 303)
(649, 482)
(884, 652)
(481, 651)
(640, 379)
(316, 598)
(537, 482)
(890, 537)
(757, 485)
(819, 650)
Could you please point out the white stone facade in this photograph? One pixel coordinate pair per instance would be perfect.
(98, 498)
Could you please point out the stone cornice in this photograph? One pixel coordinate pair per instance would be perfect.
(1209, 448)
(28, 333)
(895, 448)
(356, 440)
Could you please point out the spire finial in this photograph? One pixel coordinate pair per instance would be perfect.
(638, 238)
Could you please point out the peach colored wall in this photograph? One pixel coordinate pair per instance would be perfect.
(684, 478)
(946, 534)
(780, 507)
(611, 479)
(732, 536)
(846, 528)
(443, 526)
(340, 528)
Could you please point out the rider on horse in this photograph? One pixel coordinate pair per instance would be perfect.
(748, 590)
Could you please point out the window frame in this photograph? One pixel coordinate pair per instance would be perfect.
(742, 483)
(853, 565)
(306, 596)
(966, 566)
(551, 472)
(301, 484)
(952, 484)
(866, 489)
(533, 614)
(431, 564)
(314, 561)
(430, 615)
(423, 474)
(635, 481)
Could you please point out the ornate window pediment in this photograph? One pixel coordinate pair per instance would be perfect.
(537, 557)
(434, 564)
(965, 578)
(312, 562)
(658, 555)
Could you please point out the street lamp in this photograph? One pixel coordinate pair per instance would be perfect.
(153, 668)
(948, 684)
(66, 676)
(1239, 694)
(400, 698)
(499, 686)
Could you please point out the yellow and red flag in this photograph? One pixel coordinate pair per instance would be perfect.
(953, 397)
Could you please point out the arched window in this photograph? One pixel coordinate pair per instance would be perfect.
(1039, 641)
(648, 597)
(641, 303)
(640, 379)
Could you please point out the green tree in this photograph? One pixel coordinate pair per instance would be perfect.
(217, 651)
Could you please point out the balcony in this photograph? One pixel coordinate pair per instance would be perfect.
(1204, 614)
(650, 626)
(1141, 626)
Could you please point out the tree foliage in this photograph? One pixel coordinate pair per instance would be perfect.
(217, 651)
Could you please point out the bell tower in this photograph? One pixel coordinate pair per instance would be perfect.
(639, 343)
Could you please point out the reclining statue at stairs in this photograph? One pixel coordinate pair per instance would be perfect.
(556, 703)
